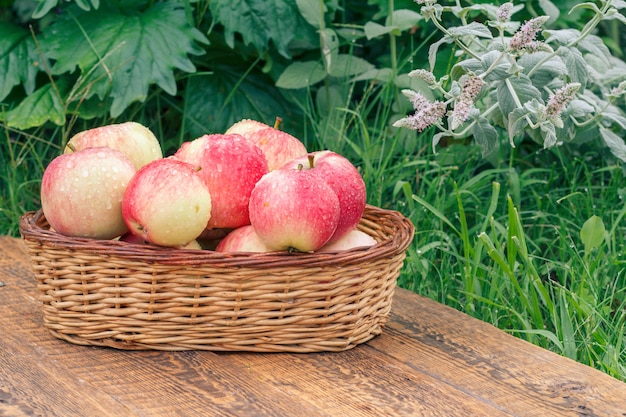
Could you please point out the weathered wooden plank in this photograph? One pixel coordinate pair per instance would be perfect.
(508, 372)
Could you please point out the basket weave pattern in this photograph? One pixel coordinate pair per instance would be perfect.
(127, 296)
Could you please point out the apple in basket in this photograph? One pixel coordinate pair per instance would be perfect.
(81, 192)
(231, 166)
(294, 209)
(346, 181)
(355, 238)
(242, 239)
(133, 139)
(167, 203)
(278, 147)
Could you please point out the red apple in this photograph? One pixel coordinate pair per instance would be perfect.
(294, 209)
(81, 193)
(136, 141)
(355, 238)
(278, 147)
(167, 203)
(344, 179)
(242, 239)
(231, 166)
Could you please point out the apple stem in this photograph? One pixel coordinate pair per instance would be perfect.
(277, 122)
(71, 146)
(311, 159)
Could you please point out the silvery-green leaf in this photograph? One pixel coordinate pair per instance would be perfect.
(587, 5)
(575, 63)
(615, 143)
(579, 109)
(485, 135)
(512, 90)
(517, 122)
(594, 45)
(471, 29)
(550, 10)
(543, 71)
(561, 36)
(548, 131)
(434, 47)
(618, 4)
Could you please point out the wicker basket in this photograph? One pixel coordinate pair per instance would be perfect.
(128, 296)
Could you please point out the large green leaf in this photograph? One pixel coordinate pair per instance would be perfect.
(121, 54)
(38, 108)
(259, 22)
(19, 61)
(216, 101)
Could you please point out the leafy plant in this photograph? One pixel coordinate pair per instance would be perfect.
(561, 88)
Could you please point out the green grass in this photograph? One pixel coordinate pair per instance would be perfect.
(498, 239)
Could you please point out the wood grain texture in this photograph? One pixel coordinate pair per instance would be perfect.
(430, 361)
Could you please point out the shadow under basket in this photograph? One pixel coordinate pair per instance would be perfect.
(137, 297)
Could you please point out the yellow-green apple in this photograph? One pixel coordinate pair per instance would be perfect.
(167, 203)
(246, 126)
(294, 209)
(344, 179)
(133, 139)
(355, 238)
(242, 239)
(81, 193)
(231, 166)
(279, 147)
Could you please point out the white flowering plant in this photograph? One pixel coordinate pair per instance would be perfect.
(514, 80)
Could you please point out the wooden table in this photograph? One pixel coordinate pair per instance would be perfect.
(430, 360)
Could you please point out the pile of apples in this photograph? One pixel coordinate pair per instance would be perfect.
(254, 188)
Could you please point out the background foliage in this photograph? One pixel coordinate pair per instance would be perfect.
(529, 239)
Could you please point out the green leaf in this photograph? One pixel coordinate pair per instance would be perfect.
(374, 30)
(485, 135)
(615, 143)
(471, 29)
(38, 108)
(312, 12)
(330, 47)
(301, 75)
(404, 19)
(515, 89)
(216, 101)
(43, 7)
(258, 22)
(121, 54)
(592, 233)
(19, 60)
(587, 5)
(348, 65)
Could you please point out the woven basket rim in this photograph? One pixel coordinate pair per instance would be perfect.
(398, 229)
